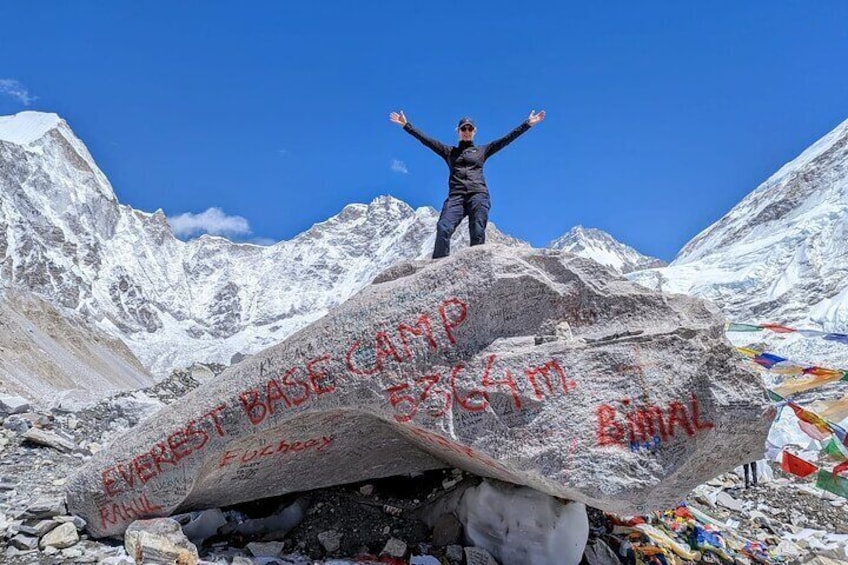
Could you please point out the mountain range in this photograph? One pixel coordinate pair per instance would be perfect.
(64, 236)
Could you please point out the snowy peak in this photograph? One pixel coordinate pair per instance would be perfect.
(44, 141)
(812, 185)
(384, 211)
(25, 127)
(836, 136)
(601, 247)
(781, 254)
(382, 206)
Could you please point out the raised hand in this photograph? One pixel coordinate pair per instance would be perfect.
(399, 118)
(535, 118)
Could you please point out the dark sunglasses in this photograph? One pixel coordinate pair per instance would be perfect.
(466, 128)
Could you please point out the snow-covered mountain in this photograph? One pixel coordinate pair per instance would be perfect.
(65, 236)
(600, 246)
(781, 254)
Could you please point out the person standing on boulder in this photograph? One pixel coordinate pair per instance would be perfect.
(468, 194)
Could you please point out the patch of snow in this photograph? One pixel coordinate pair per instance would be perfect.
(25, 127)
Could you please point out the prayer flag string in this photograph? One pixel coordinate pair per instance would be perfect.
(777, 328)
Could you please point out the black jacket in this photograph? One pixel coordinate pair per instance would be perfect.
(466, 160)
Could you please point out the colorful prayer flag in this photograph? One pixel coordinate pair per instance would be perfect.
(794, 465)
(803, 377)
(842, 467)
(777, 328)
(841, 338)
(813, 431)
(832, 483)
(734, 327)
(835, 450)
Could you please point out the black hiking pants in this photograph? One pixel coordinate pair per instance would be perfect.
(475, 206)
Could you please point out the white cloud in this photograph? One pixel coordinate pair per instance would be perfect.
(399, 166)
(213, 221)
(11, 87)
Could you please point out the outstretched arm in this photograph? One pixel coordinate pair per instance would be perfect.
(439, 148)
(499, 144)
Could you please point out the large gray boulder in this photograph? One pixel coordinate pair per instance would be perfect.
(533, 367)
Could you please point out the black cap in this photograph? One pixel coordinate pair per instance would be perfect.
(465, 121)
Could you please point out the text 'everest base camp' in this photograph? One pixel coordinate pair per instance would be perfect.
(528, 366)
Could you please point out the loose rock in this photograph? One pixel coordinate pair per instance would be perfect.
(267, 549)
(447, 530)
(454, 553)
(13, 405)
(479, 556)
(17, 424)
(37, 528)
(78, 522)
(599, 553)
(724, 499)
(331, 540)
(395, 548)
(198, 526)
(44, 508)
(423, 560)
(159, 541)
(60, 537)
(50, 439)
(24, 542)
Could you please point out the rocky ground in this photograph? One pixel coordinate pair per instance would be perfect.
(378, 521)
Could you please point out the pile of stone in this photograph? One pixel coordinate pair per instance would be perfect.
(30, 443)
(47, 526)
(125, 410)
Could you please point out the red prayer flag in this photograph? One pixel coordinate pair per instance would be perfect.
(796, 466)
(778, 328)
(840, 468)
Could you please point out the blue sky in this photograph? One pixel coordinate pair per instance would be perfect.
(660, 115)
